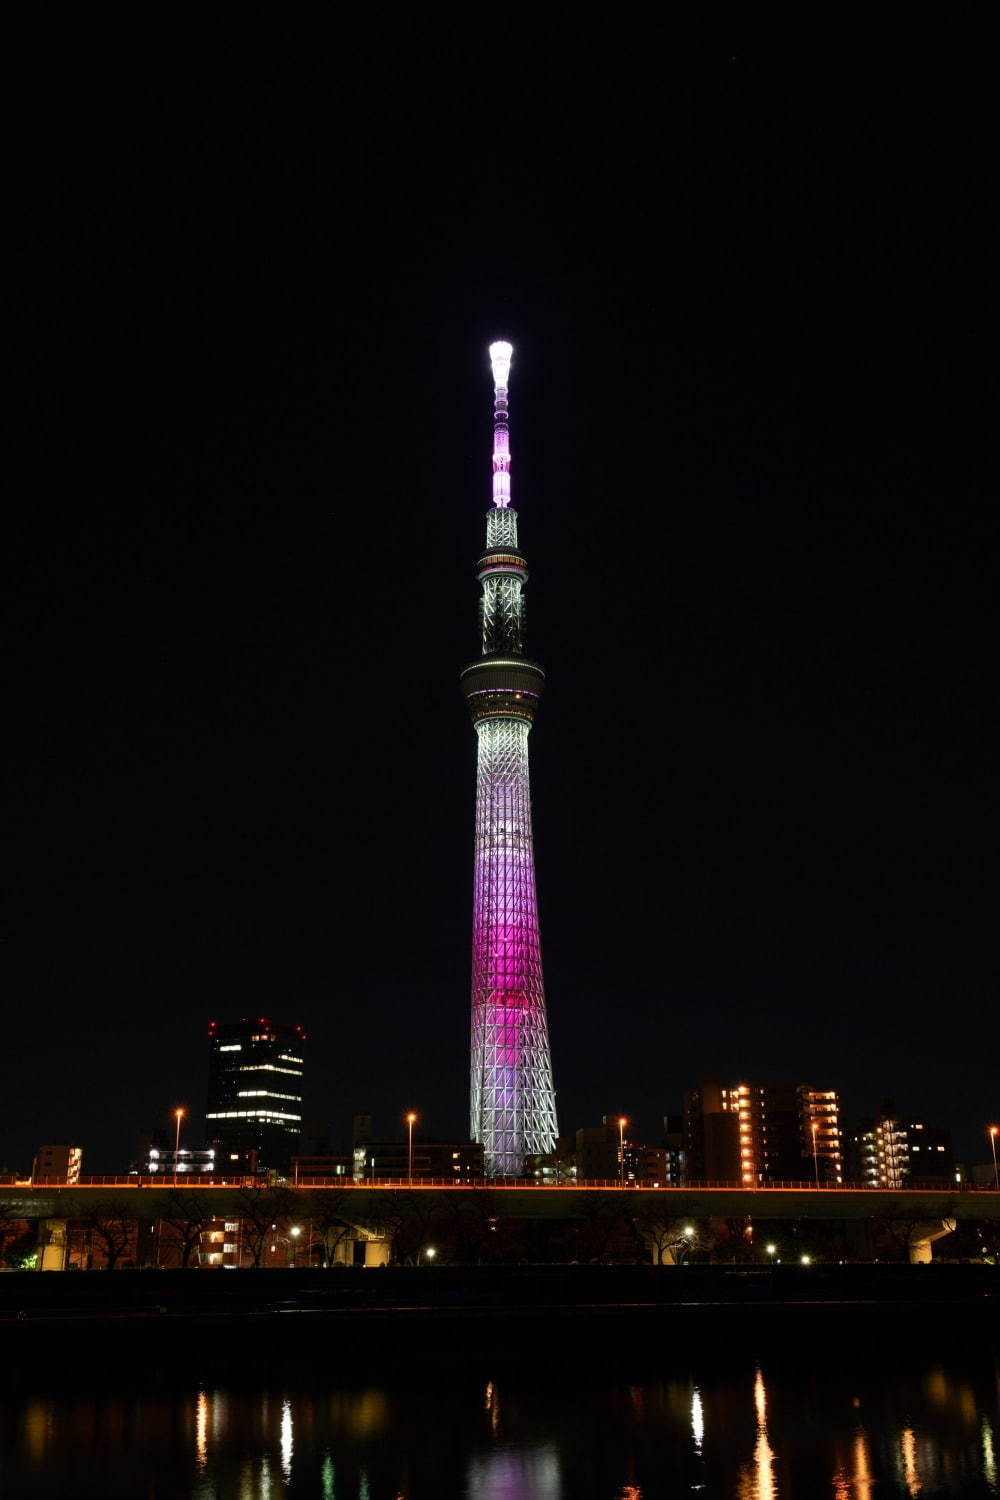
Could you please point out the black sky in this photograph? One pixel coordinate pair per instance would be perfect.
(256, 264)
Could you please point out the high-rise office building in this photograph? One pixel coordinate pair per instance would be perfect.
(254, 1104)
(513, 1106)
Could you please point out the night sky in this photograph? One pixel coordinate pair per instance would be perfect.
(257, 262)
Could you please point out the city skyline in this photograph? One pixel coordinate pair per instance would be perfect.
(755, 388)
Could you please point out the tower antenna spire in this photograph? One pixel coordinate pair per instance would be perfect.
(500, 357)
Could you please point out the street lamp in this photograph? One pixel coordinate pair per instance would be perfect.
(621, 1147)
(179, 1114)
(772, 1250)
(806, 1260)
(411, 1120)
(994, 1132)
(428, 1254)
(294, 1231)
(815, 1154)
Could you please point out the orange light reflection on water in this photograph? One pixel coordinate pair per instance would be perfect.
(908, 1448)
(201, 1430)
(862, 1468)
(758, 1482)
(491, 1404)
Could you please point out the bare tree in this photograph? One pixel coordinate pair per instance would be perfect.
(10, 1228)
(327, 1222)
(110, 1222)
(662, 1230)
(732, 1239)
(607, 1232)
(405, 1219)
(186, 1216)
(471, 1225)
(262, 1209)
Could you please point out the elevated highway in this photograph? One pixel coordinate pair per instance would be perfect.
(145, 1199)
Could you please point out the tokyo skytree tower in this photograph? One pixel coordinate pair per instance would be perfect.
(513, 1103)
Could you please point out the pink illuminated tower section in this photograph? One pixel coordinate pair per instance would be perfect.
(513, 1104)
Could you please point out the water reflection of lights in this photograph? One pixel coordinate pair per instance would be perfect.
(697, 1420)
(329, 1478)
(908, 1449)
(286, 1439)
(362, 1413)
(492, 1405)
(506, 1475)
(201, 1430)
(862, 1468)
(759, 1482)
(38, 1427)
(247, 1491)
(989, 1454)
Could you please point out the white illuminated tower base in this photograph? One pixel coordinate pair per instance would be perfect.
(513, 1109)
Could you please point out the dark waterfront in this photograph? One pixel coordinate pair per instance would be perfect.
(729, 1410)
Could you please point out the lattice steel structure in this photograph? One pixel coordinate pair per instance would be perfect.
(513, 1103)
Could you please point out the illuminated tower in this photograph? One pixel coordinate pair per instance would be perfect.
(513, 1104)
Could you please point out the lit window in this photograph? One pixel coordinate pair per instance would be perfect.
(268, 1068)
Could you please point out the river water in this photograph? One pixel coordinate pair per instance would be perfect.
(795, 1422)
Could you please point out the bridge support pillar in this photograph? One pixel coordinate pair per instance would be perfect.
(922, 1237)
(52, 1245)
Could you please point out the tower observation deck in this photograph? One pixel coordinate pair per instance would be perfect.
(513, 1107)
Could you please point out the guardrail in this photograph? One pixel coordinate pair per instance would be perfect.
(194, 1181)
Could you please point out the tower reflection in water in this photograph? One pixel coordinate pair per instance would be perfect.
(532, 1474)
